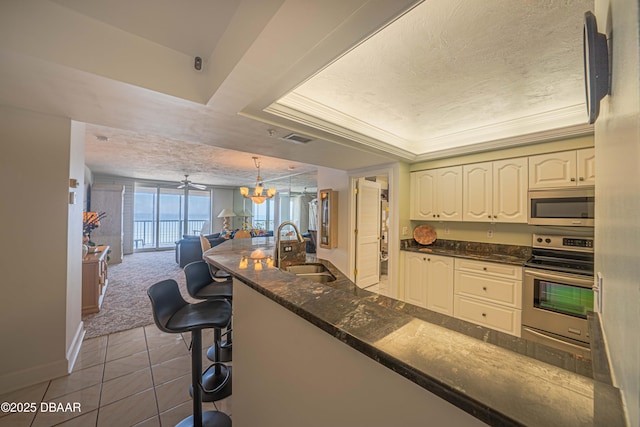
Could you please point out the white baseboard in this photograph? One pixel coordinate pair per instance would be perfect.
(74, 348)
(34, 375)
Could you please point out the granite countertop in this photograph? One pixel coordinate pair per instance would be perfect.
(505, 254)
(495, 384)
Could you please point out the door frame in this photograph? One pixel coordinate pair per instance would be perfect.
(393, 173)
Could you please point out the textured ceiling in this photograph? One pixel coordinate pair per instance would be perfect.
(417, 77)
(147, 157)
(453, 66)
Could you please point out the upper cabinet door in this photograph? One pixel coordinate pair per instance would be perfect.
(449, 194)
(552, 170)
(586, 166)
(477, 189)
(423, 199)
(510, 186)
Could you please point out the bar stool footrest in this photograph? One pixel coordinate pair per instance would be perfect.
(215, 386)
(226, 354)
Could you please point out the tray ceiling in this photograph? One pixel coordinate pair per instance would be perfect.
(453, 73)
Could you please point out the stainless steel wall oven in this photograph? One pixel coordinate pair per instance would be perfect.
(558, 292)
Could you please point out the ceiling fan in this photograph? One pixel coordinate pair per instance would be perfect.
(186, 183)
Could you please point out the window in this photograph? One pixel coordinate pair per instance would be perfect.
(263, 215)
(199, 212)
(159, 215)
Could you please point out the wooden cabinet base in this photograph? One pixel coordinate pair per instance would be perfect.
(94, 280)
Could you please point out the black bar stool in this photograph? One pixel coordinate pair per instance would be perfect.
(200, 285)
(203, 283)
(173, 314)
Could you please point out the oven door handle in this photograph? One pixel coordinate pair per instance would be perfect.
(541, 337)
(559, 277)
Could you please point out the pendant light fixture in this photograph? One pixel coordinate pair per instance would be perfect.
(258, 195)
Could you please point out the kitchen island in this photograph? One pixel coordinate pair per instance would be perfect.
(335, 353)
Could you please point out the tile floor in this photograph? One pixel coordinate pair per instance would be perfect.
(139, 377)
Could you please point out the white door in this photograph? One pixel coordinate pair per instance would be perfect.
(368, 233)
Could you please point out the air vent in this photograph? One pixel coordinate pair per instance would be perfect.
(298, 139)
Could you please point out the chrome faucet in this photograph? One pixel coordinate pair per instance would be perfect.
(276, 251)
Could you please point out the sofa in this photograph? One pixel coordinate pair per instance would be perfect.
(189, 249)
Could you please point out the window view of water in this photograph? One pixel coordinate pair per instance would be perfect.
(159, 215)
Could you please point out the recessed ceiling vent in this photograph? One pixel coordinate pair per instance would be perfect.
(298, 139)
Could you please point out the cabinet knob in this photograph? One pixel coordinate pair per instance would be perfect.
(489, 216)
(484, 288)
(581, 178)
(495, 216)
(484, 268)
(434, 215)
(484, 314)
(573, 179)
(428, 259)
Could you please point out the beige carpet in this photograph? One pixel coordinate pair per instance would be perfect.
(126, 304)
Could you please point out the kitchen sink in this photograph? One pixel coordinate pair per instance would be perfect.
(313, 271)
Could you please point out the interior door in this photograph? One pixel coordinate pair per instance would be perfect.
(368, 233)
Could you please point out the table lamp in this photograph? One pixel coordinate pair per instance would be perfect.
(226, 224)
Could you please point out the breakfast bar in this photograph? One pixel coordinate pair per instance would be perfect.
(340, 355)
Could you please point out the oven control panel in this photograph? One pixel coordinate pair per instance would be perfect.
(577, 242)
(583, 244)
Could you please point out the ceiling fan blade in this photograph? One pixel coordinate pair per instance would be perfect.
(181, 186)
(198, 186)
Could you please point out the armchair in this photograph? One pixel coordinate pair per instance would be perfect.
(189, 248)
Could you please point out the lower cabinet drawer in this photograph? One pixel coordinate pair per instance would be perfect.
(496, 317)
(489, 289)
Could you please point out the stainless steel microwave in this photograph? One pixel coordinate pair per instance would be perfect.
(567, 207)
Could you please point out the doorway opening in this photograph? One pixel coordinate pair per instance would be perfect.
(374, 218)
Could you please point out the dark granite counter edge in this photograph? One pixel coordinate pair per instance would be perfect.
(451, 395)
(609, 409)
(607, 399)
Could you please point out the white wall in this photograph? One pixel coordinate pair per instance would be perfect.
(34, 216)
(74, 324)
(110, 200)
(617, 141)
(224, 198)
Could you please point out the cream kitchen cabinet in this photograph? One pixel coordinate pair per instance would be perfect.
(564, 169)
(428, 281)
(436, 194)
(495, 191)
(489, 294)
